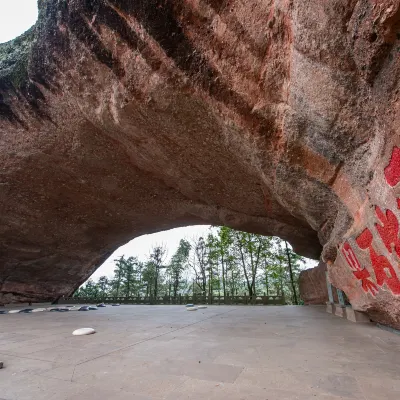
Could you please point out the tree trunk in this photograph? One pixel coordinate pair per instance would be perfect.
(176, 284)
(291, 275)
(250, 290)
(119, 283)
(156, 284)
(128, 286)
(233, 286)
(223, 275)
(244, 270)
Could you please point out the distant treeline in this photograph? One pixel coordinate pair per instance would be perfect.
(226, 262)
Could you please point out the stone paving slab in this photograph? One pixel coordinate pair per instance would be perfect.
(223, 352)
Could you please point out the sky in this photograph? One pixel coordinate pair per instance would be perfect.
(16, 16)
(141, 246)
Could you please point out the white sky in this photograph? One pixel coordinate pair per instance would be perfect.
(16, 16)
(141, 246)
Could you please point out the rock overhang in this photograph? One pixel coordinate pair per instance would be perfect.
(122, 118)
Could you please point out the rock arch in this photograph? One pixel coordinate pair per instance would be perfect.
(120, 118)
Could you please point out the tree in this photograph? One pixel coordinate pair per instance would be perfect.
(291, 273)
(138, 277)
(148, 275)
(295, 264)
(199, 264)
(157, 258)
(119, 273)
(221, 247)
(89, 290)
(127, 278)
(179, 264)
(128, 274)
(213, 261)
(103, 285)
(283, 269)
(226, 260)
(251, 250)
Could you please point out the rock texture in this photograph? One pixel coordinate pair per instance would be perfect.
(312, 284)
(119, 118)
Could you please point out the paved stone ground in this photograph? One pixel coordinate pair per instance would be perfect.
(223, 352)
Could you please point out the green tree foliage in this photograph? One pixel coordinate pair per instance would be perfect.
(157, 259)
(199, 263)
(90, 290)
(227, 262)
(250, 251)
(103, 285)
(178, 264)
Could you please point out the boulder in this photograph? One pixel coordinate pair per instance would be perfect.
(83, 332)
(123, 118)
(313, 285)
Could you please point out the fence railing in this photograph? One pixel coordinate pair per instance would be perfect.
(181, 299)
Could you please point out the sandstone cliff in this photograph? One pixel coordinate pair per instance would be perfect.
(313, 286)
(119, 118)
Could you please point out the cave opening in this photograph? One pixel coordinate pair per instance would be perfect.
(16, 17)
(214, 262)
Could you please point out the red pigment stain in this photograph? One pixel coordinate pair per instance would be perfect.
(392, 171)
(383, 269)
(389, 230)
(361, 274)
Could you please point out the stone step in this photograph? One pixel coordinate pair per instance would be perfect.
(347, 312)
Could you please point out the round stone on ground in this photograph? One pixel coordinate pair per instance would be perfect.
(83, 331)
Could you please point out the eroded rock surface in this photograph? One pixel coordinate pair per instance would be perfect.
(119, 118)
(313, 287)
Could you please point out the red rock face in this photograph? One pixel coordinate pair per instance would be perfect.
(313, 286)
(121, 118)
(369, 257)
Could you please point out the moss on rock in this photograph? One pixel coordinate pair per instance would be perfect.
(14, 59)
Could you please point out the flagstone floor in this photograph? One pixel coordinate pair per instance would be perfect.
(222, 352)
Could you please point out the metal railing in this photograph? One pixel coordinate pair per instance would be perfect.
(181, 299)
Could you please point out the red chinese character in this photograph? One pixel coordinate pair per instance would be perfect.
(361, 274)
(366, 283)
(351, 257)
(389, 230)
(384, 271)
(392, 171)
